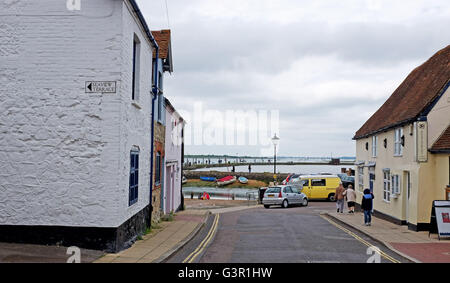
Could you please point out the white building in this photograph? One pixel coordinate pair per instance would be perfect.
(174, 150)
(75, 163)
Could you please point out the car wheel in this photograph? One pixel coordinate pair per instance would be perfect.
(266, 206)
(285, 204)
(331, 198)
(305, 202)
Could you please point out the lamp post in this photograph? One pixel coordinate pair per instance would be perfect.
(275, 141)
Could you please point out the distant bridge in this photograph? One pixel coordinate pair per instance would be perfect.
(336, 162)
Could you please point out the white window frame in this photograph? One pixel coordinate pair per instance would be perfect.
(395, 185)
(398, 148)
(374, 146)
(387, 185)
(361, 178)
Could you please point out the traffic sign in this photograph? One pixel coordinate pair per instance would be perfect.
(100, 87)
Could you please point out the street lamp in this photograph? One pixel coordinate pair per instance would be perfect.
(275, 141)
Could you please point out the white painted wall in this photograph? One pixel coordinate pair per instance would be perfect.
(64, 154)
(173, 149)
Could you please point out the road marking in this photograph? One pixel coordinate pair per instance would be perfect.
(383, 254)
(204, 243)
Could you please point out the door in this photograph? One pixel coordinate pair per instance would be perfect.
(168, 190)
(318, 188)
(289, 195)
(371, 178)
(408, 194)
(306, 188)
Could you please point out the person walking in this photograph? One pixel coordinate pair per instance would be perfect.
(367, 206)
(339, 195)
(350, 194)
(249, 168)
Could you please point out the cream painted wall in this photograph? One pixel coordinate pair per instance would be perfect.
(398, 165)
(439, 118)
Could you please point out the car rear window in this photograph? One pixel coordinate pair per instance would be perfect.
(273, 190)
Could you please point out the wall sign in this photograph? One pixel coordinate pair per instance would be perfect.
(100, 87)
(440, 218)
(422, 141)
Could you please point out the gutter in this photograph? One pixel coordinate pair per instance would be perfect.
(155, 92)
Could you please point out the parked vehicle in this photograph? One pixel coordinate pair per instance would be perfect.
(284, 196)
(289, 178)
(243, 180)
(320, 186)
(226, 181)
(347, 180)
(208, 179)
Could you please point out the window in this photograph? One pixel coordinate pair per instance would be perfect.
(288, 190)
(305, 182)
(387, 185)
(395, 184)
(398, 150)
(273, 191)
(374, 146)
(318, 183)
(160, 107)
(158, 169)
(361, 178)
(136, 67)
(134, 178)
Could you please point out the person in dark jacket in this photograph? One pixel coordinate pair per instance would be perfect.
(367, 206)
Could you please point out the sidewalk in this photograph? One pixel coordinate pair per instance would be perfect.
(416, 246)
(162, 242)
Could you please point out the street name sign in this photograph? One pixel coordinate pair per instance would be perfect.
(100, 87)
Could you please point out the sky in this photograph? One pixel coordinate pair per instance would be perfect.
(310, 71)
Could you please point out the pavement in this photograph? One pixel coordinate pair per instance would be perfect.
(163, 241)
(416, 246)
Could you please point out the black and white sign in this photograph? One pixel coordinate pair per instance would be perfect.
(440, 218)
(100, 87)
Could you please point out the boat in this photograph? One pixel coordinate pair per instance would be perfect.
(226, 181)
(208, 179)
(243, 180)
(184, 180)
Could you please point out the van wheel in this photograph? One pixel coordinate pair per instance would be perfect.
(331, 198)
(267, 206)
(285, 204)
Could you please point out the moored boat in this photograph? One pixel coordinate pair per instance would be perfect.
(226, 181)
(208, 179)
(243, 180)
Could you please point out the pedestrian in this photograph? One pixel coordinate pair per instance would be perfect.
(249, 168)
(350, 194)
(339, 195)
(367, 206)
(234, 169)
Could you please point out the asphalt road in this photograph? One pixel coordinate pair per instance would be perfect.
(276, 235)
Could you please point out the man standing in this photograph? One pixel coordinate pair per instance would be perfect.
(340, 198)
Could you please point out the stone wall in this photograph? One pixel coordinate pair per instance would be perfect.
(266, 177)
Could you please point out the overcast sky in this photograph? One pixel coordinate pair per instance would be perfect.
(326, 66)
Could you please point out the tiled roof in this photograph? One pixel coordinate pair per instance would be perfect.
(163, 39)
(419, 90)
(443, 143)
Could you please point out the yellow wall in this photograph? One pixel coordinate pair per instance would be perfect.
(434, 178)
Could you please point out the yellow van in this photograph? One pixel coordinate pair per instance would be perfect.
(320, 186)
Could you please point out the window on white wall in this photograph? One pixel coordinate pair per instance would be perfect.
(395, 184)
(387, 185)
(398, 150)
(136, 68)
(374, 146)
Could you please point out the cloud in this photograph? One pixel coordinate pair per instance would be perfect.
(325, 65)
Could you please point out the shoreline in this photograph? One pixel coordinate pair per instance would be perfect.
(197, 183)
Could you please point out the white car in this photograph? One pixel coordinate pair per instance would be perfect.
(285, 196)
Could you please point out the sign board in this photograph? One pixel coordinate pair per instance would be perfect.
(100, 87)
(440, 218)
(422, 141)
